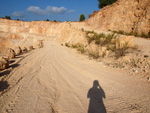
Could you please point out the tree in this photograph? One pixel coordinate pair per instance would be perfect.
(82, 17)
(47, 19)
(7, 17)
(103, 3)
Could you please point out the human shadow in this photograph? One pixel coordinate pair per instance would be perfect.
(96, 95)
(3, 85)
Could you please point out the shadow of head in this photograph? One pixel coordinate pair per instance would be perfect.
(96, 84)
(3, 85)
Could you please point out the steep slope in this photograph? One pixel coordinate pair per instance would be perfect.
(125, 15)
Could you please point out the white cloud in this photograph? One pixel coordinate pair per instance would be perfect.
(71, 11)
(18, 14)
(48, 10)
(36, 10)
(51, 9)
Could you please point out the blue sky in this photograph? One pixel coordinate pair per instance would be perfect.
(60, 10)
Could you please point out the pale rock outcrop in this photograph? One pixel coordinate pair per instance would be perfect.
(125, 15)
(4, 63)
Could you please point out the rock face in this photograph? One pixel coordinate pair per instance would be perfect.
(4, 63)
(125, 15)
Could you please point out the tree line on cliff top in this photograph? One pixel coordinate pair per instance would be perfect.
(103, 3)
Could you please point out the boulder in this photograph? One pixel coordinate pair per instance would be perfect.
(30, 48)
(10, 53)
(18, 50)
(4, 63)
(90, 35)
(24, 49)
(38, 44)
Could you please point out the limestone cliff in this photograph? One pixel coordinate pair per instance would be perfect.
(125, 15)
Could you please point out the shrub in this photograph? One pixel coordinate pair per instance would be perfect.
(94, 55)
(79, 48)
(120, 49)
(67, 44)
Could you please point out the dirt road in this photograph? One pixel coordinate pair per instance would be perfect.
(56, 79)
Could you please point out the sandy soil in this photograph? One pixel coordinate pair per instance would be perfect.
(55, 79)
